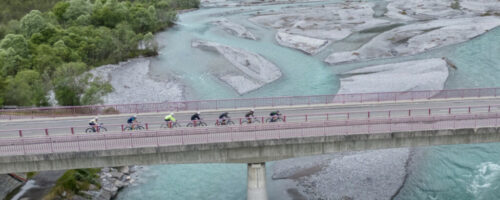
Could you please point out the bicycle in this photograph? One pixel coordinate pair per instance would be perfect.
(254, 120)
(195, 123)
(99, 128)
(270, 119)
(228, 122)
(136, 127)
(170, 124)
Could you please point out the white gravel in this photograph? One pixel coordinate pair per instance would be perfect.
(428, 74)
(133, 83)
(417, 38)
(254, 70)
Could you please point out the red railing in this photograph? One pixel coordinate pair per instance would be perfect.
(175, 137)
(246, 103)
(372, 114)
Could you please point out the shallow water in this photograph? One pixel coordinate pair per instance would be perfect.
(449, 172)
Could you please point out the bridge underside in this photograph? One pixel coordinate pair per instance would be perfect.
(245, 152)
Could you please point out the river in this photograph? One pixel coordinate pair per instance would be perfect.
(444, 172)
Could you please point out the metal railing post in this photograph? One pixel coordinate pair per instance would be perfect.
(47, 132)
(20, 133)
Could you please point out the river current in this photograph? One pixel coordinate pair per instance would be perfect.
(446, 172)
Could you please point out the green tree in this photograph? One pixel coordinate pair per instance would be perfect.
(74, 86)
(17, 42)
(32, 23)
(77, 8)
(68, 83)
(59, 9)
(26, 89)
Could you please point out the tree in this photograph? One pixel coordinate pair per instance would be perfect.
(26, 89)
(68, 84)
(59, 9)
(77, 8)
(17, 42)
(95, 91)
(74, 86)
(32, 23)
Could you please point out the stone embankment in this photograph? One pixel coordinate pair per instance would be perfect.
(112, 180)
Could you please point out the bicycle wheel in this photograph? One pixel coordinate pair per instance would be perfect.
(203, 124)
(190, 124)
(139, 127)
(128, 128)
(268, 119)
(102, 129)
(256, 120)
(89, 130)
(230, 122)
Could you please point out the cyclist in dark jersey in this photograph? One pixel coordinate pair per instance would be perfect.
(275, 115)
(196, 116)
(132, 121)
(223, 118)
(249, 115)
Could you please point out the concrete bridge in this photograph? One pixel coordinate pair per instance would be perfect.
(310, 129)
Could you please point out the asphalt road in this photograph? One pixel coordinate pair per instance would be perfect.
(60, 126)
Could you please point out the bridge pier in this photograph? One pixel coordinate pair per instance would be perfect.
(256, 181)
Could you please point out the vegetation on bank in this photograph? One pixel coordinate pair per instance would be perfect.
(73, 182)
(55, 49)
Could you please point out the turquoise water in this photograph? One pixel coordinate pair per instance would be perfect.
(449, 172)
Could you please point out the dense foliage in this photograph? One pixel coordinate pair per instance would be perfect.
(72, 182)
(54, 50)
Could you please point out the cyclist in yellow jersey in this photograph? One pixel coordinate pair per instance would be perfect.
(170, 118)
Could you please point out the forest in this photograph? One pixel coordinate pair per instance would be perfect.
(49, 46)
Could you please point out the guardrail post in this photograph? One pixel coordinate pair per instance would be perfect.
(327, 116)
(409, 112)
(489, 108)
(20, 133)
(147, 128)
(469, 109)
(284, 118)
(240, 121)
(449, 111)
(72, 131)
(347, 115)
(306, 117)
(368, 114)
(47, 132)
(123, 129)
(429, 112)
(389, 114)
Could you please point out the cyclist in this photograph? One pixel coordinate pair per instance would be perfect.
(249, 115)
(94, 123)
(132, 121)
(196, 118)
(275, 115)
(223, 118)
(170, 119)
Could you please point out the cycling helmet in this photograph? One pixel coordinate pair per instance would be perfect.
(198, 112)
(252, 109)
(96, 117)
(172, 113)
(135, 116)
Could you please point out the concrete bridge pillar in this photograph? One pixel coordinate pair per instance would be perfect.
(256, 181)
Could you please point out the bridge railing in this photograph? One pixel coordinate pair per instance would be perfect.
(292, 118)
(64, 111)
(206, 135)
